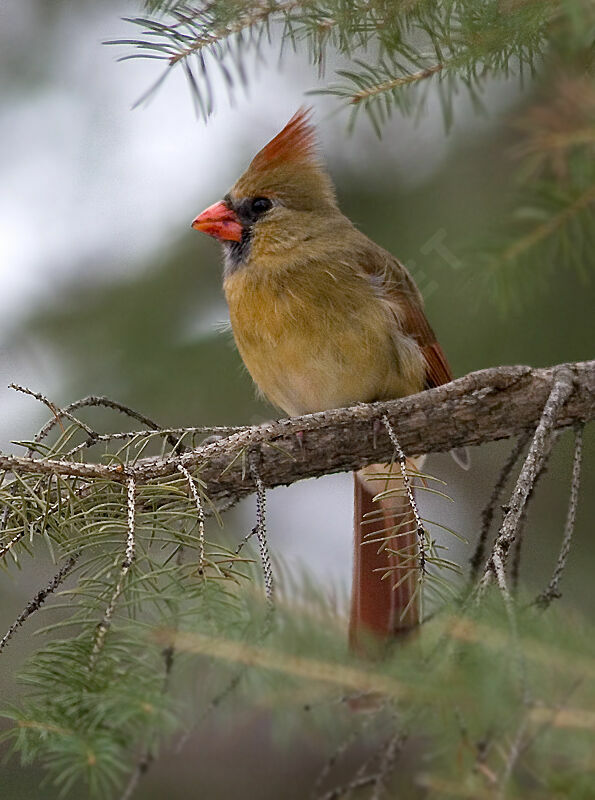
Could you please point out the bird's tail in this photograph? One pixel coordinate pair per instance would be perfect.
(384, 599)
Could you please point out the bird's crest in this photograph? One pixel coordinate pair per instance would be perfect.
(289, 169)
(296, 142)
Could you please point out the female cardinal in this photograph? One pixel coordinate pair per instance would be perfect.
(324, 318)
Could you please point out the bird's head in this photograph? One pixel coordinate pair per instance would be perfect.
(281, 200)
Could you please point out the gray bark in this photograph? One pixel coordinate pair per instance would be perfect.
(481, 407)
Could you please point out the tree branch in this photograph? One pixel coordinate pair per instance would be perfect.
(552, 591)
(396, 83)
(483, 406)
(40, 598)
(536, 459)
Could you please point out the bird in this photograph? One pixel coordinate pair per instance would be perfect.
(323, 318)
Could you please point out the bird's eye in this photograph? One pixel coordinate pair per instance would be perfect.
(259, 205)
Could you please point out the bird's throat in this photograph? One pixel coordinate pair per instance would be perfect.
(236, 254)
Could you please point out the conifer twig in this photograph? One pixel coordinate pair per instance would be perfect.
(95, 401)
(147, 760)
(261, 531)
(337, 753)
(42, 399)
(339, 792)
(201, 518)
(40, 598)
(547, 228)
(251, 16)
(419, 526)
(387, 755)
(517, 547)
(395, 83)
(215, 430)
(390, 755)
(538, 453)
(106, 621)
(498, 570)
(142, 767)
(552, 590)
(7, 546)
(514, 753)
(326, 672)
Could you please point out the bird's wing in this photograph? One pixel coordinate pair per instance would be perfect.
(400, 290)
(414, 322)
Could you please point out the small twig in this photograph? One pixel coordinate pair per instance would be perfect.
(244, 541)
(339, 792)
(42, 399)
(261, 531)
(385, 756)
(487, 515)
(217, 430)
(148, 758)
(95, 402)
(516, 748)
(391, 753)
(421, 531)
(538, 453)
(517, 652)
(40, 598)
(552, 591)
(141, 769)
(518, 545)
(11, 542)
(250, 17)
(363, 772)
(546, 724)
(395, 83)
(105, 623)
(56, 411)
(545, 229)
(4, 517)
(23, 465)
(201, 518)
(338, 753)
(500, 574)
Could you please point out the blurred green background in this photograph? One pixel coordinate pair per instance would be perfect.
(104, 289)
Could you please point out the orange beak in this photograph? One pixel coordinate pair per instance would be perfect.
(219, 221)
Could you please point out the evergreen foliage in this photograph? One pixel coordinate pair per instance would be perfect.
(398, 52)
(553, 225)
(392, 45)
(156, 605)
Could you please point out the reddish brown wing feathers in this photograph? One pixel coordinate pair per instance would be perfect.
(414, 322)
(399, 287)
(438, 367)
